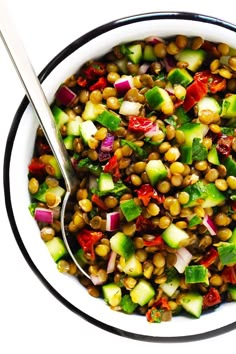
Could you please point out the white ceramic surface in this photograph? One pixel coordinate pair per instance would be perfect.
(67, 288)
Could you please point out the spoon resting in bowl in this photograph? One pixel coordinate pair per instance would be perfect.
(41, 107)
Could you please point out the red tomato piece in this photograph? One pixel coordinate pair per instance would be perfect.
(87, 239)
(212, 298)
(139, 124)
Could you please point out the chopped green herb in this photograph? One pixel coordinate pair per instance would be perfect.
(171, 120)
(195, 220)
(138, 150)
(227, 131)
(199, 151)
(127, 304)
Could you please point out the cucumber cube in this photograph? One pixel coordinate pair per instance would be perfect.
(133, 267)
(156, 171)
(105, 182)
(192, 303)
(156, 96)
(122, 245)
(112, 294)
(180, 76)
(130, 210)
(142, 293)
(87, 130)
(60, 116)
(174, 236)
(56, 248)
(196, 274)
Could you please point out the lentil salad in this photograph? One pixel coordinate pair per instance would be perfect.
(150, 128)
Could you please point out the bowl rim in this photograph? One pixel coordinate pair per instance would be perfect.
(68, 50)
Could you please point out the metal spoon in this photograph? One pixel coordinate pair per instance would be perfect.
(41, 107)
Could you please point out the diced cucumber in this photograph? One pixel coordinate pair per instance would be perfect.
(230, 165)
(170, 287)
(135, 53)
(214, 196)
(112, 294)
(68, 141)
(56, 248)
(92, 110)
(133, 267)
(233, 236)
(142, 293)
(43, 189)
(194, 58)
(186, 153)
(174, 236)
(109, 120)
(156, 171)
(208, 103)
(73, 126)
(227, 254)
(122, 245)
(232, 291)
(193, 130)
(229, 107)
(130, 210)
(87, 130)
(60, 116)
(156, 96)
(148, 53)
(196, 274)
(105, 182)
(192, 303)
(53, 167)
(213, 157)
(179, 76)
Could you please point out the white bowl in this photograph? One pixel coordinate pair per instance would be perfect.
(19, 152)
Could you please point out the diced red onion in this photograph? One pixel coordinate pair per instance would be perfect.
(143, 68)
(65, 95)
(96, 279)
(123, 84)
(103, 156)
(211, 227)
(169, 63)
(43, 215)
(153, 40)
(153, 131)
(183, 258)
(107, 143)
(111, 262)
(113, 221)
(128, 108)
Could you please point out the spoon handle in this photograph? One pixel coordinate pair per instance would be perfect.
(35, 95)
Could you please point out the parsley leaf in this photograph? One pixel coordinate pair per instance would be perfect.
(199, 151)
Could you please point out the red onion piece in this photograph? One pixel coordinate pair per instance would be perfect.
(123, 84)
(183, 259)
(111, 262)
(103, 156)
(143, 68)
(153, 131)
(96, 279)
(169, 63)
(65, 96)
(107, 143)
(43, 215)
(211, 227)
(153, 40)
(113, 221)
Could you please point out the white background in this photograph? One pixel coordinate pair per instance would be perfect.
(31, 319)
